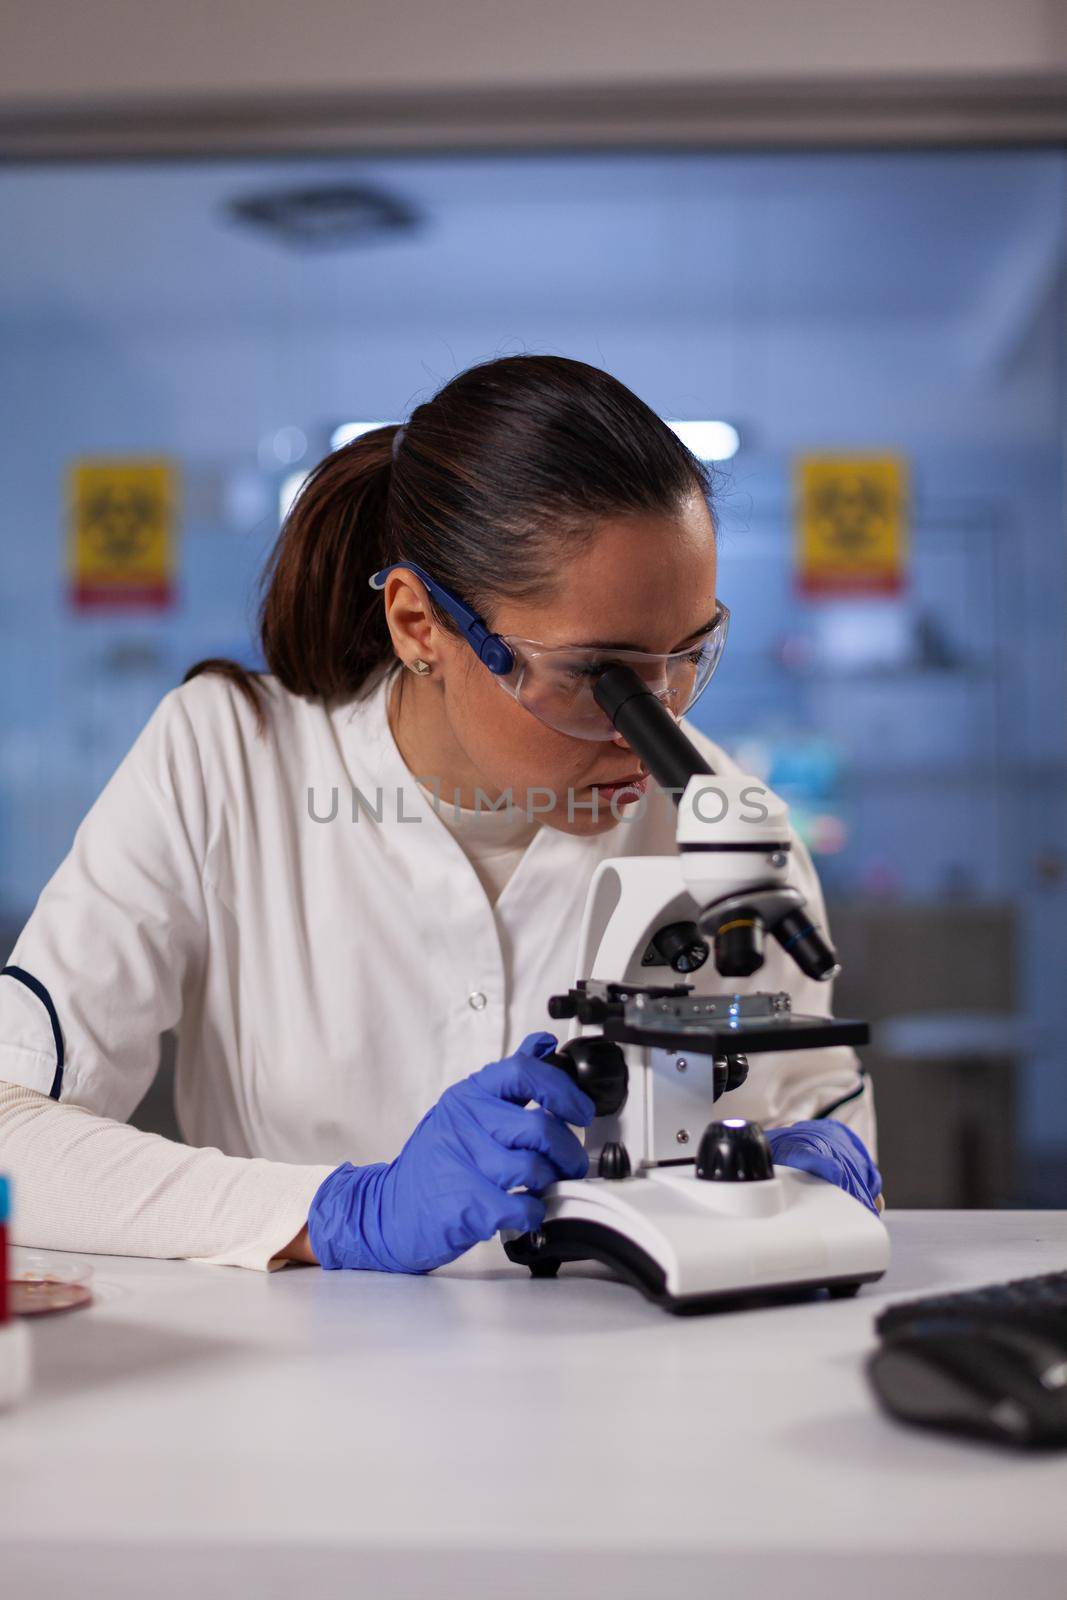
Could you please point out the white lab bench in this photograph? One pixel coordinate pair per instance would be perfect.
(207, 1431)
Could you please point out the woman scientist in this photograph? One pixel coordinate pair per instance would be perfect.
(308, 875)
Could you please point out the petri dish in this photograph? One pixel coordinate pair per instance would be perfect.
(38, 1285)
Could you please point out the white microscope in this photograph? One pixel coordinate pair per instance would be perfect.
(695, 1217)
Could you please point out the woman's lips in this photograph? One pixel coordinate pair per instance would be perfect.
(637, 784)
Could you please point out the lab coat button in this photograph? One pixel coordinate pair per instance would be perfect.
(477, 1000)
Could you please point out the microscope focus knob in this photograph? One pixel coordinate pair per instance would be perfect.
(598, 1066)
(734, 1151)
(614, 1162)
(729, 1072)
(736, 1072)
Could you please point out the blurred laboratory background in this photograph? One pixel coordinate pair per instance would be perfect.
(871, 342)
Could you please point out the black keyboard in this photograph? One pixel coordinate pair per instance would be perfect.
(989, 1361)
(1039, 1302)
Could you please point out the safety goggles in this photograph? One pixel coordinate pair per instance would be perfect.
(555, 683)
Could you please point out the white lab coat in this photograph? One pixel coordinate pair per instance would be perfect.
(326, 979)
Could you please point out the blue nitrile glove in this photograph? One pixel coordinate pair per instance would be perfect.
(832, 1151)
(449, 1185)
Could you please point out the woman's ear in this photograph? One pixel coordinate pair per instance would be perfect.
(408, 615)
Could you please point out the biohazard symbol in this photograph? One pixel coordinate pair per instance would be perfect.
(851, 523)
(121, 522)
(852, 512)
(122, 532)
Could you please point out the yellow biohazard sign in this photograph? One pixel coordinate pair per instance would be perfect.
(122, 532)
(851, 524)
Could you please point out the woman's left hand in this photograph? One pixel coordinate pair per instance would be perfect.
(830, 1150)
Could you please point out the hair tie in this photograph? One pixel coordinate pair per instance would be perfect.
(397, 438)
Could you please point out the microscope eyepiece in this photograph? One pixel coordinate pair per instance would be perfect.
(649, 728)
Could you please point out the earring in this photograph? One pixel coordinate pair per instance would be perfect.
(419, 666)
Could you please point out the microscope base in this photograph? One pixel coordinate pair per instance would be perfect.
(691, 1245)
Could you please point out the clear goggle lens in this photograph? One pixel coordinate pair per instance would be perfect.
(555, 683)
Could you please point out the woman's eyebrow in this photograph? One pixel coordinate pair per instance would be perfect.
(619, 644)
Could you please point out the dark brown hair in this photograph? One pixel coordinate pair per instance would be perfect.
(498, 478)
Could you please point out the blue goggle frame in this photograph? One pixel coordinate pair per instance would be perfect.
(488, 647)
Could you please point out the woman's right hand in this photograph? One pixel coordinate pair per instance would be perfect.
(451, 1184)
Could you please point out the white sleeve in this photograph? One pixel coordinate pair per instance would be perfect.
(83, 1182)
(118, 933)
(116, 940)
